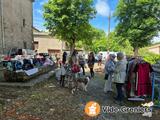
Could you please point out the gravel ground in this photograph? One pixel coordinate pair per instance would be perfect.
(50, 102)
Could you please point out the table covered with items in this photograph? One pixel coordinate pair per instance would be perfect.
(22, 68)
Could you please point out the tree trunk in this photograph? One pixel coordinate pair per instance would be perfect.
(72, 46)
(135, 51)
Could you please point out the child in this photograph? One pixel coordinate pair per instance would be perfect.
(62, 75)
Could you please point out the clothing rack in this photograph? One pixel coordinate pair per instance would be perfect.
(132, 64)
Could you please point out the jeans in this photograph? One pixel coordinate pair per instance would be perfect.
(91, 72)
(82, 66)
(62, 80)
(120, 94)
(108, 83)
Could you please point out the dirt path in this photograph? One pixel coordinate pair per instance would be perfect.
(50, 102)
(95, 93)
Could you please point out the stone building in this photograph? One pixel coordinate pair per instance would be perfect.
(155, 49)
(16, 21)
(44, 43)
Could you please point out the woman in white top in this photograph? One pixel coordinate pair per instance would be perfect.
(120, 75)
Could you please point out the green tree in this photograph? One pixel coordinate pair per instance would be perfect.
(118, 43)
(139, 21)
(148, 56)
(113, 42)
(69, 19)
(98, 42)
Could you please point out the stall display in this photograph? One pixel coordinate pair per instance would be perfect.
(21, 68)
(138, 80)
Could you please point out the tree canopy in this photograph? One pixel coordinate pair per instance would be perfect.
(139, 21)
(101, 42)
(69, 19)
(98, 43)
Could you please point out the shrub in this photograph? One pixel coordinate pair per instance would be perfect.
(149, 56)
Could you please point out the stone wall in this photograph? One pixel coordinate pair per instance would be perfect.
(18, 24)
(0, 31)
(46, 43)
(155, 50)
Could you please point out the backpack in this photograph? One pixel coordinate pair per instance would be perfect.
(75, 68)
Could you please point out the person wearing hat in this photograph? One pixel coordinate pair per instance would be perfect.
(109, 70)
(120, 75)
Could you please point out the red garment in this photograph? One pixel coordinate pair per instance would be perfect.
(75, 68)
(128, 88)
(144, 82)
(8, 58)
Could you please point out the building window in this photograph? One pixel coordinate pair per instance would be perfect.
(25, 45)
(35, 45)
(24, 22)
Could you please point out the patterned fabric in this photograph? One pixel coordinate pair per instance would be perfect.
(109, 67)
(18, 65)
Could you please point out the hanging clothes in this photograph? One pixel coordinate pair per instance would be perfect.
(143, 83)
(131, 78)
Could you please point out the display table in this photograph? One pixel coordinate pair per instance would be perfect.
(23, 76)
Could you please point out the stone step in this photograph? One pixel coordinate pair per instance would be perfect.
(29, 83)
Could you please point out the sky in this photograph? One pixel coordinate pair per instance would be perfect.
(103, 7)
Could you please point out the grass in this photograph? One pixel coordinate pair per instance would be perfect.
(1, 75)
(2, 103)
(1, 72)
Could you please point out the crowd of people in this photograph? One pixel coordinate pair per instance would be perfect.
(78, 60)
(115, 71)
(78, 63)
(116, 67)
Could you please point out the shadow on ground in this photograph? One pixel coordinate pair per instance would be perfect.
(48, 101)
